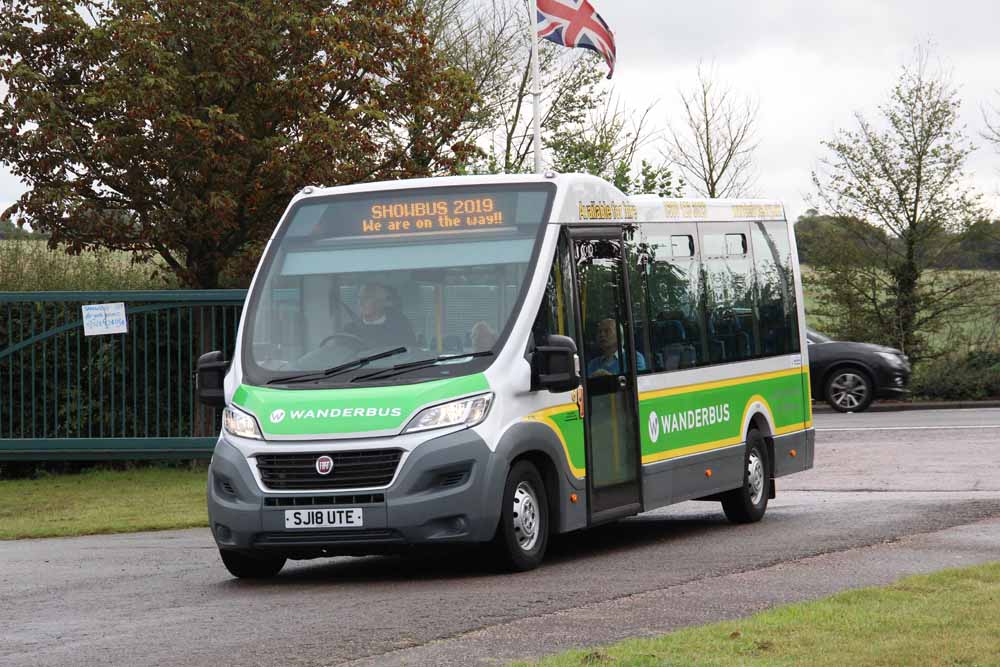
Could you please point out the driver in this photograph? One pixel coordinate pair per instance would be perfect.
(381, 326)
(609, 363)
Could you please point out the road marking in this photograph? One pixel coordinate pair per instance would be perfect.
(909, 428)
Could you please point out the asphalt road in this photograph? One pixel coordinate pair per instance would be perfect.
(891, 494)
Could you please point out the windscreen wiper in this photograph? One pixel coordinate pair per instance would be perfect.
(330, 372)
(421, 363)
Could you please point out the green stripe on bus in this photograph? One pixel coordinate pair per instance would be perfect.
(319, 412)
(687, 420)
(696, 418)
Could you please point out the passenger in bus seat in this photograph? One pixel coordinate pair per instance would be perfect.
(483, 337)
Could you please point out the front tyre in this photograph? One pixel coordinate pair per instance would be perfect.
(245, 566)
(523, 533)
(748, 503)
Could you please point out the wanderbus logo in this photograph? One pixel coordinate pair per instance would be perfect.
(278, 416)
(654, 427)
(687, 419)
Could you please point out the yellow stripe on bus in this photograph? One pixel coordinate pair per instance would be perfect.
(718, 384)
(545, 417)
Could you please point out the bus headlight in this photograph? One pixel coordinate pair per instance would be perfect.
(239, 423)
(465, 412)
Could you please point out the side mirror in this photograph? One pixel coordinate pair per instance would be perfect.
(211, 376)
(555, 365)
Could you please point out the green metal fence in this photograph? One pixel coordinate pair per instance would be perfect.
(67, 396)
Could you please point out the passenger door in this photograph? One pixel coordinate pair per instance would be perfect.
(608, 356)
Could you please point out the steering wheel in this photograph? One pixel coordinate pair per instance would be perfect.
(351, 339)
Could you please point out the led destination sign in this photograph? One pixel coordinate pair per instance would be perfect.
(439, 210)
(434, 215)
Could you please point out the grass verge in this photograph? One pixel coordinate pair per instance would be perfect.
(947, 618)
(103, 501)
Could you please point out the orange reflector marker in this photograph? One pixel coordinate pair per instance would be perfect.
(793, 453)
(708, 472)
(573, 498)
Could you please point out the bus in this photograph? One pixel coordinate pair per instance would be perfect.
(495, 360)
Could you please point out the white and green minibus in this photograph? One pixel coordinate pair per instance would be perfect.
(497, 359)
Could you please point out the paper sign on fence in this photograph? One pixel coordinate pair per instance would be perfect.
(104, 318)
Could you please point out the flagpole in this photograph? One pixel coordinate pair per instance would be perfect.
(536, 86)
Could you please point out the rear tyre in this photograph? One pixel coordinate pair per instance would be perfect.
(849, 390)
(245, 566)
(748, 503)
(523, 533)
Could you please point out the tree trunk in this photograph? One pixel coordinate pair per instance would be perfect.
(906, 278)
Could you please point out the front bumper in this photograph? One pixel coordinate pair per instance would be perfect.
(893, 382)
(436, 497)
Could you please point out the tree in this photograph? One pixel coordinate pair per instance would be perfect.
(489, 41)
(992, 132)
(181, 129)
(607, 144)
(8, 230)
(714, 144)
(904, 178)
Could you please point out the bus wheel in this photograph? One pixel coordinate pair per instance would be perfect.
(523, 534)
(251, 567)
(748, 503)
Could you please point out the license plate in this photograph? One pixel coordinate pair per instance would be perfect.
(352, 517)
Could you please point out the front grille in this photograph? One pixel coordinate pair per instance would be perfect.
(351, 470)
(308, 501)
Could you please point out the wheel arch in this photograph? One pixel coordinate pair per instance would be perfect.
(547, 469)
(537, 443)
(841, 365)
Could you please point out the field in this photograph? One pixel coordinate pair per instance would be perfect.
(29, 265)
(975, 327)
(947, 618)
(103, 501)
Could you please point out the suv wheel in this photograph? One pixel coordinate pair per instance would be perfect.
(849, 390)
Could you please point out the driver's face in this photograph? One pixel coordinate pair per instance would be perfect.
(607, 337)
(372, 303)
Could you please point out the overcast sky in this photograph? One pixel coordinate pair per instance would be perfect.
(810, 65)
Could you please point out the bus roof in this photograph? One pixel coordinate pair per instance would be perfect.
(586, 198)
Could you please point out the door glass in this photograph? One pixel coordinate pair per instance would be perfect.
(609, 379)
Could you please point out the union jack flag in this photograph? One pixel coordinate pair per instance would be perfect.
(575, 24)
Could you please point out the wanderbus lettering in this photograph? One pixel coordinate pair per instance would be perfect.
(681, 421)
(516, 356)
(345, 412)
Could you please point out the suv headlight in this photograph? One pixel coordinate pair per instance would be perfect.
(464, 412)
(239, 423)
(891, 359)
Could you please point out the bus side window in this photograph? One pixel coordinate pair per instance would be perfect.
(776, 303)
(729, 317)
(637, 259)
(672, 284)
